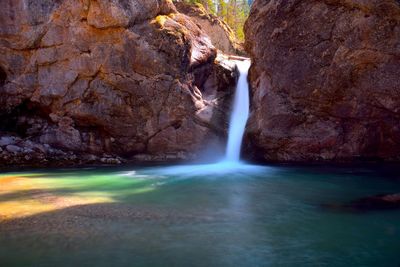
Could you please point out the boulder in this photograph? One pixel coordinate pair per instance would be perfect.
(13, 149)
(7, 140)
(324, 80)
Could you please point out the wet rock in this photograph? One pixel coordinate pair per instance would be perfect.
(27, 151)
(324, 84)
(90, 158)
(112, 161)
(171, 157)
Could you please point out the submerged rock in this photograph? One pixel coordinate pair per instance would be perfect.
(86, 80)
(325, 79)
(372, 203)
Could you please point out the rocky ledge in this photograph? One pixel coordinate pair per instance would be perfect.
(124, 78)
(325, 80)
(17, 151)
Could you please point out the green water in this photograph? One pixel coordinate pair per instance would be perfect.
(251, 216)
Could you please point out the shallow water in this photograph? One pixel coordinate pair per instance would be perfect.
(209, 215)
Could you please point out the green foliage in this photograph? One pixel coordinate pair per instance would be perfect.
(233, 12)
(222, 9)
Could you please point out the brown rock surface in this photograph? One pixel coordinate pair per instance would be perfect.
(221, 35)
(325, 79)
(124, 77)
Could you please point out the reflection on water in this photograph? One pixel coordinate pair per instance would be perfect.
(202, 215)
(219, 169)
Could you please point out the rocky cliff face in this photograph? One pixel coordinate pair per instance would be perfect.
(325, 79)
(124, 77)
(221, 35)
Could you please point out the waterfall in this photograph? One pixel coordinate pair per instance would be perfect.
(240, 113)
(231, 162)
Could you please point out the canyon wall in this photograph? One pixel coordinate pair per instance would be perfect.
(325, 80)
(96, 78)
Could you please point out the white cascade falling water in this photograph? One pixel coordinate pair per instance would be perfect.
(231, 162)
(240, 113)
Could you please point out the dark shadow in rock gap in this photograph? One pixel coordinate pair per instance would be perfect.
(17, 120)
(3, 77)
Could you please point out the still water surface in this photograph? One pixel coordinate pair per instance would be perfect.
(196, 216)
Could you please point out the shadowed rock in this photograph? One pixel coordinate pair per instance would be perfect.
(325, 86)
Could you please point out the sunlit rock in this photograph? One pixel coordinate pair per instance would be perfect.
(130, 77)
